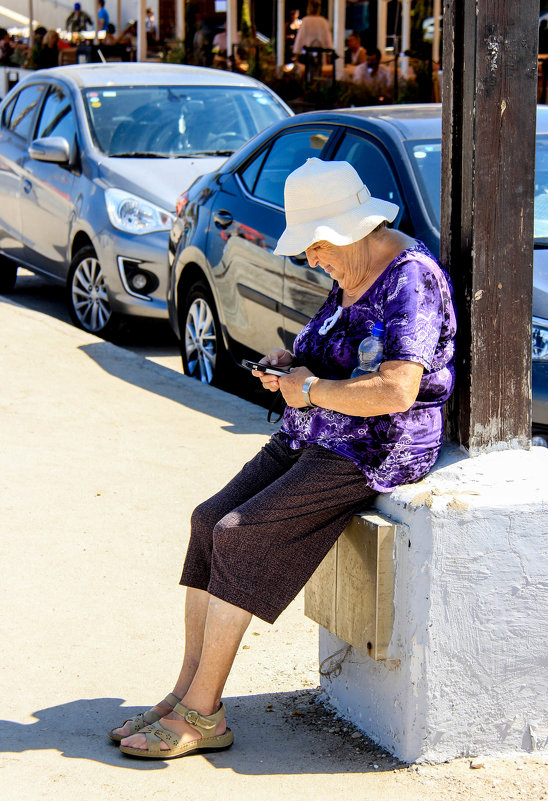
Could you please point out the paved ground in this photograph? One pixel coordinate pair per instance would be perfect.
(103, 456)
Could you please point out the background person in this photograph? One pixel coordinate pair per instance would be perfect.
(376, 76)
(103, 18)
(291, 29)
(255, 543)
(314, 31)
(78, 21)
(48, 55)
(6, 48)
(355, 53)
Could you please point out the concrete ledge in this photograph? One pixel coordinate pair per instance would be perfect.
(470, 615)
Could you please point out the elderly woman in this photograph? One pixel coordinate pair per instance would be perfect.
(343, 440)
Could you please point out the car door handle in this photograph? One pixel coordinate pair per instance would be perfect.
(222, 218)
(27, 186)
(299, 260)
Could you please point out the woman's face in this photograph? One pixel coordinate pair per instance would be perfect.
(336, 260)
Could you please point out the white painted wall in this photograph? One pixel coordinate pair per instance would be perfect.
(471, 615)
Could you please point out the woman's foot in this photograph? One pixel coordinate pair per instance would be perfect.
(178, 725)
(155, 713)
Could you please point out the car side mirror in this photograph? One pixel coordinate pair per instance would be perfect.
(50, 148)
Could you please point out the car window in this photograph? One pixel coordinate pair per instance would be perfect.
(177, 120)
(288, 152)
(6, 114)
(24, 110)
(426, 161)
(372, 166)
(57, 118)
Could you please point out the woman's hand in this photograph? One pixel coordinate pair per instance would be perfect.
(278, 357)
(291, 386)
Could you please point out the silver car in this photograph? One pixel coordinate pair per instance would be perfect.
(92, 159)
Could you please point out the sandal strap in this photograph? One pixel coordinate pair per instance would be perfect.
(153, 717)
(204, 724)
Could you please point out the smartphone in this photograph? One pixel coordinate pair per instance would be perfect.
(264, 368)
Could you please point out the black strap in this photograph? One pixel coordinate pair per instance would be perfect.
(276, 407)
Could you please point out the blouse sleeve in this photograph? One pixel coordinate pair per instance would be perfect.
(414, 312)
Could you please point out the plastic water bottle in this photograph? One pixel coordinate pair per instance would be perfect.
(370, 352)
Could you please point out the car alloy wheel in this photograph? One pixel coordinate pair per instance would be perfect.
(201, 346)
(88, 301)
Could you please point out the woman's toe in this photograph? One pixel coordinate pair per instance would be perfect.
(135, 741)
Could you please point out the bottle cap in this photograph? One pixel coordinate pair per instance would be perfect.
(377, 330)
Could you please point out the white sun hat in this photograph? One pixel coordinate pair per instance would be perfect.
(328, 201)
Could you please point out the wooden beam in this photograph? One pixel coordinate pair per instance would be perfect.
(488, 152)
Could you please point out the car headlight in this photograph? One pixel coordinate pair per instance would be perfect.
(540, 340)
(134, 215)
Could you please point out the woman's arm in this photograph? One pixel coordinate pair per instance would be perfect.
(393, 389)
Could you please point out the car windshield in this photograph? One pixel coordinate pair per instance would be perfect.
(426, 161)
(177, 121)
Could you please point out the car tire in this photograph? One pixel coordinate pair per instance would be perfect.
(8, 276)
(202, 348)
(87, 296)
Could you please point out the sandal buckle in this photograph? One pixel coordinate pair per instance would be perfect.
(192, 717)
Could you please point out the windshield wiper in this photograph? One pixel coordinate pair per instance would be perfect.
(202, 153)
(139, 154)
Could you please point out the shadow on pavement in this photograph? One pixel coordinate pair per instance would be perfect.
(275, 733)
(241, 417)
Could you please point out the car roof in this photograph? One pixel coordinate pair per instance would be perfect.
(406, 121)
(131, 74)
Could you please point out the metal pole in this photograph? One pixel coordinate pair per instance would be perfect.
(31, 28)
(231, 27)
(141, 32)
(280, 34)
(382, 18)
(436, 40)
(180, 21)
(405, 36)
(339, 28)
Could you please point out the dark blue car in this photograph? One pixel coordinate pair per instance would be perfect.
(229, 297)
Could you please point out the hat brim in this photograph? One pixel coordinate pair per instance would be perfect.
(344, 229)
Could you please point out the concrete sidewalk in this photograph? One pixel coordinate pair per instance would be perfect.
(104, 455)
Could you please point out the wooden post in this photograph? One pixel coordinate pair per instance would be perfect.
(488, 154)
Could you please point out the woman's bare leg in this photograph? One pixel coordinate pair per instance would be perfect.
(224, 628)
(197, 602)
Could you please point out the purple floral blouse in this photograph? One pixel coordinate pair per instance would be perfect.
(413, 298)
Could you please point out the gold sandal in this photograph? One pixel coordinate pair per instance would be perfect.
(204, 724)
(142, 719)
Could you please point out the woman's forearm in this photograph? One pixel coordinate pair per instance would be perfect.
(393, 389)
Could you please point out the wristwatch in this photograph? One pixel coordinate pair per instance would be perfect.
(306, 389)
